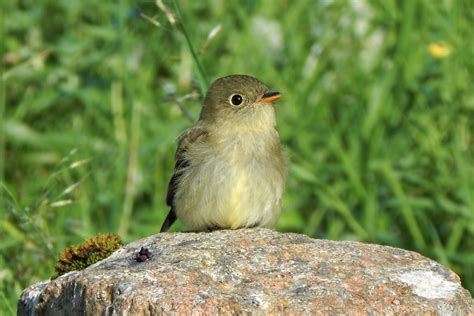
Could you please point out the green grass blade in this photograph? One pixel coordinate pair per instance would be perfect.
(202, 78)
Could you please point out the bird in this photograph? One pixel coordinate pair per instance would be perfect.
(230, 169)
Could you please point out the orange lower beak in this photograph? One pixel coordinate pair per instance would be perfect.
(269, 97)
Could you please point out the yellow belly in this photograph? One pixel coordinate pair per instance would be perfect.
(229, 191)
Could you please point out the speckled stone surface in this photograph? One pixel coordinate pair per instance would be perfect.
(252, 271)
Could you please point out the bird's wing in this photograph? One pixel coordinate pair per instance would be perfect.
(188, 137)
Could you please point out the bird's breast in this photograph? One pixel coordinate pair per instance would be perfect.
(236, 180)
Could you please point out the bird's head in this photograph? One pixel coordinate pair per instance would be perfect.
(239, 101)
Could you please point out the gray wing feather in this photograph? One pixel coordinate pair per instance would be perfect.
(189, 136)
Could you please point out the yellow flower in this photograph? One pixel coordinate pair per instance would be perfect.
(440, 49)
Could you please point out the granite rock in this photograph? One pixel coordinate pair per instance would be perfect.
(252, 271)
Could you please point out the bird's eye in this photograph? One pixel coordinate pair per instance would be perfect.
(236, 99)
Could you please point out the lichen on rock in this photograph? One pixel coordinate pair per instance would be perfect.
(91, 251)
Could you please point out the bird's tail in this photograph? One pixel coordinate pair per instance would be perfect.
(170, 219)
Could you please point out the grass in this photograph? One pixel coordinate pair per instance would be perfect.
(377, 119)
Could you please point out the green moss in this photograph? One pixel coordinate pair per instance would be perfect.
(91, 251)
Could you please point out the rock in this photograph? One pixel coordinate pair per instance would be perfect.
(251, 271)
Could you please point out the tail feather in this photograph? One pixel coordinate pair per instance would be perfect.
(170, 219)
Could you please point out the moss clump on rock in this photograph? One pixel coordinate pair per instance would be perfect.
(91, 251)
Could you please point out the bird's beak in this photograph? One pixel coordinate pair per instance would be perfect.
(269, 97)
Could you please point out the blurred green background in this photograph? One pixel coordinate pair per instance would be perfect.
(377, 118)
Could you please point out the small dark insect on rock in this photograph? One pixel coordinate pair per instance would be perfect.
(143, 255)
